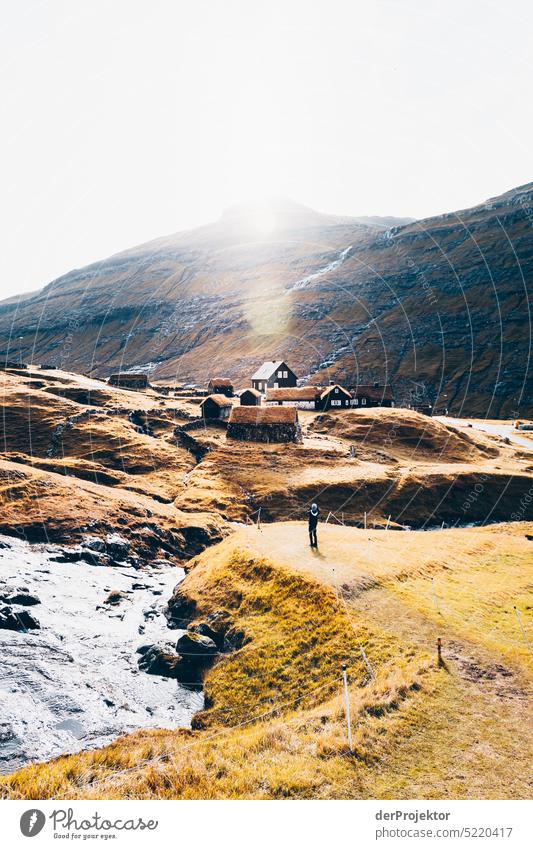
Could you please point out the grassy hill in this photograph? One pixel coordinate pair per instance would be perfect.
(79, 456)
(275, 724)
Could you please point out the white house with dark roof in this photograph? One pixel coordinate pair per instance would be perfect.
(273, 374)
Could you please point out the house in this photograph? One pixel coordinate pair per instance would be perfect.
(372, 395)
(129, 381)
(273, 375)
(250, 398)
(216, 407)
(335, 397)
(301, 397)
(264, 424)
(220, 386)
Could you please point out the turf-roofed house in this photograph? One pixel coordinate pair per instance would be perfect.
(250, 398)
(129, 381)
(216, 407)
(264, 424)
(220, 386)
(301, 397)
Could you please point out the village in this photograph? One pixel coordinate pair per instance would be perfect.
(267, 409)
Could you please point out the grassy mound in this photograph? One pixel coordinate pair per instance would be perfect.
(402, 433)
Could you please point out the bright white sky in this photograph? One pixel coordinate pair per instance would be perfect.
(130, 119)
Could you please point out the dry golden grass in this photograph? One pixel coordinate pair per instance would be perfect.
(420, 731)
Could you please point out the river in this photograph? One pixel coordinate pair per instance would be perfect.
(74, 683)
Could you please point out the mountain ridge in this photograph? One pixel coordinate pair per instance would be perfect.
(437, 306)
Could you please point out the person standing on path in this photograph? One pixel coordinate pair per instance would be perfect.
(313, 522)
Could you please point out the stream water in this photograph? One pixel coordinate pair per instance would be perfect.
(331, 266)
(74, 683)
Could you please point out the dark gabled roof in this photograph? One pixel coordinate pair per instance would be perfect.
(263, 415)
(268, 368)
(219, 400)
(294, 393)
(330, 389)
(376, 393)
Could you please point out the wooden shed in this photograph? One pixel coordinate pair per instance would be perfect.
(129, 381)
(264, 424)
(250, 398)
(221, 386)
(216, 407)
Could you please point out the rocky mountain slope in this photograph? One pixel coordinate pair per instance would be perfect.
(438, 307)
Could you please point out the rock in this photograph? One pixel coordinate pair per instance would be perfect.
(204, 630)
(194, 647)
(67, 555)
(115, 597)
(94, 558)
(160, 660)
(144, 648)
(95, 544)
(23, 598)
(17, 620)
(160, 564)
(216, 626)
(234, 639)
(180, 610)
(117, 547)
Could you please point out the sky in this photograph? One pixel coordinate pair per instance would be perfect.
(127, 120)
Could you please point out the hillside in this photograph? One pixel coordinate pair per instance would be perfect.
(274, 725)
(438, 307)
(106, 502)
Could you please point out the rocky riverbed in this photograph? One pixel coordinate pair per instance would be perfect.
(69, 679)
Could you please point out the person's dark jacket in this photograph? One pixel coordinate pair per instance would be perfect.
(313, 519)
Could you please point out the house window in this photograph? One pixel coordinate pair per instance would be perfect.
(276, 385)
(356, 402)
(363, 400)
(335, 403)
(285, 374)
(280, 374)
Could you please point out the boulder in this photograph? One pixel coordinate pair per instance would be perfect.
(180, 610)
(144, 648)
(115, 597)
(67, 555)
(160, 660)
(234, 639)
(17, 620)
(195, 647)
(117, 547)
(220, 628)
(94, 558)
(24, 598)
(95, 544)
